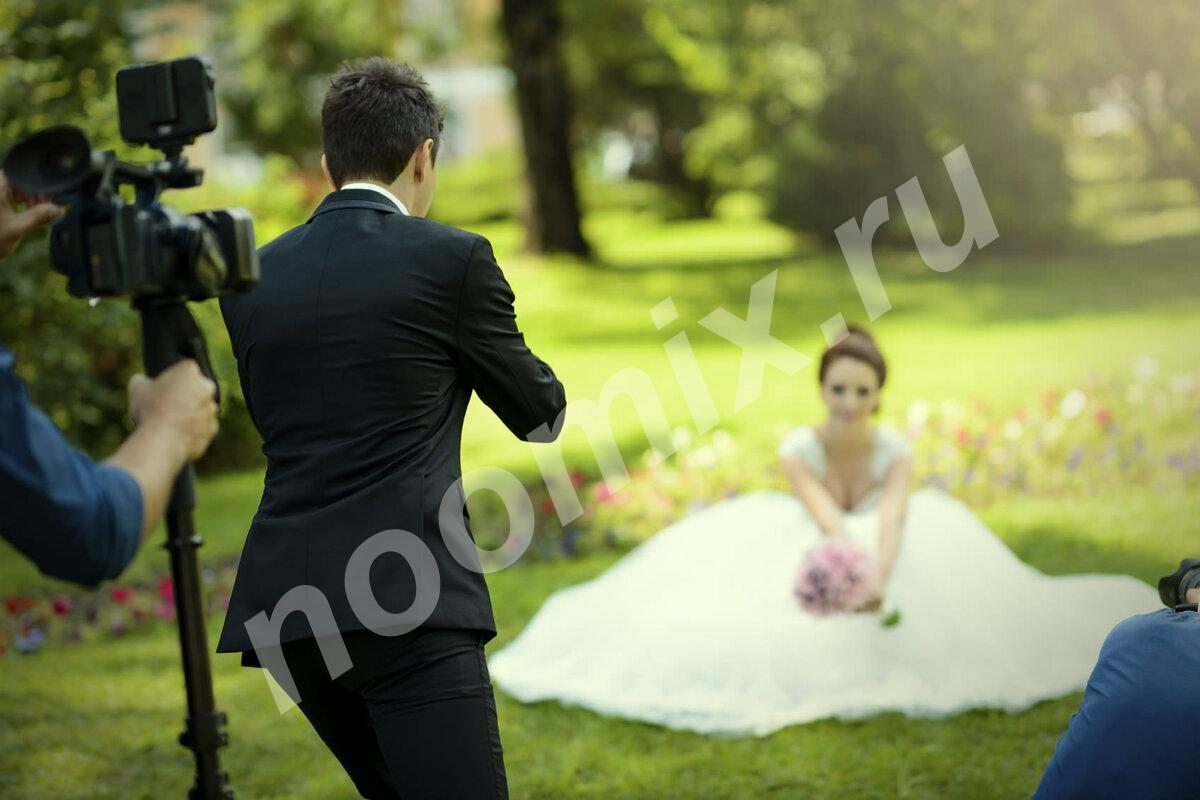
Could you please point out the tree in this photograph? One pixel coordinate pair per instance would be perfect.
(533, 29)
(278, 56)
(820, 109)
(58, 61)
(1144, 57)
(630, 83)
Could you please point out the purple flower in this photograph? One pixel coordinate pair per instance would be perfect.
(31, 641)
(1075, 459)
(570, 537)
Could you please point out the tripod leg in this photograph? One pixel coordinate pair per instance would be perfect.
(169, 333)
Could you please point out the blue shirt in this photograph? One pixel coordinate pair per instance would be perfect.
(1135, 734)
(75, 519)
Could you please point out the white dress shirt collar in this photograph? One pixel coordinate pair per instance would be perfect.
(381, 190)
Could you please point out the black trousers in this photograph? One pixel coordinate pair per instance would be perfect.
(414, 718)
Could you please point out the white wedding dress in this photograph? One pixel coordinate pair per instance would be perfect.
(697, 629)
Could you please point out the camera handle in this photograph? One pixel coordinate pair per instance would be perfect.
(169, 334)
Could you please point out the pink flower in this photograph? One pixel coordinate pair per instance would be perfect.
(577, 478)
(166, 589)
(1103, 417)
(834, 576)
(600, 492)
(61, 605)
(121, 594)
(164, 611)
(961, 437)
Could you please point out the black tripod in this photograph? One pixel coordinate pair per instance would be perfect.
(169, 334)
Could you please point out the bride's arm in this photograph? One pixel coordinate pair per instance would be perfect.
(816, 498)
(892, 503)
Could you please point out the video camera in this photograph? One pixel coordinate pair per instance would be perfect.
(108, 247)
(1173, 589)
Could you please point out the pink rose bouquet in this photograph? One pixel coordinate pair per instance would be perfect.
(834, 576)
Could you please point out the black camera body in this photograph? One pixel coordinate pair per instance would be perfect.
(109, 247)
(1173, 589)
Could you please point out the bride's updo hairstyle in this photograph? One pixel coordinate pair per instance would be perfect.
(859, 345)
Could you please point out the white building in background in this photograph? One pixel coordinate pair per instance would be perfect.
(480, 113)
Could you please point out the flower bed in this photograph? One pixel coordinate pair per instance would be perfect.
(1141, 430)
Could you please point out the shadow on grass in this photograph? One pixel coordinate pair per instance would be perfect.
(989, 287)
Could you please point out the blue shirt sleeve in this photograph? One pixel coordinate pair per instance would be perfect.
(75, 519)
(1133, 733)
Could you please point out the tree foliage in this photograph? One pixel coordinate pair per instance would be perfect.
(821, 108)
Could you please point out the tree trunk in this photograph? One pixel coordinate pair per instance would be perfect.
(533, 30)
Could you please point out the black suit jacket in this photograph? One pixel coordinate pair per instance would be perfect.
(357, 353)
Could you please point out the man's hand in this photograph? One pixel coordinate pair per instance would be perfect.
(15, 224)
(176, 416)
(180, 404)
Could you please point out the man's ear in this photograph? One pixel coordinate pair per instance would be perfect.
(325, 169)
(423, 161)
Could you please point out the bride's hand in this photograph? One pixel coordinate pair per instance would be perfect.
(872, 603)
(874, 600)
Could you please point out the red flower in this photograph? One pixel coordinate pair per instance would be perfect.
(548, 505)
(578, 478)
(166, 589)
(16, 605)
(61, 605)
(121, 594)
(1103, 417)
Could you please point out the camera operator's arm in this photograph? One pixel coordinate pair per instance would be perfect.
(75, 519)
(15, 224)
(508, 377)
(176, 415)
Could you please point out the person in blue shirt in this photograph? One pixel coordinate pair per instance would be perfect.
(78, 520)
(1134, 733)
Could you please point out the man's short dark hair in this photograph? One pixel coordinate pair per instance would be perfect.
(375, 115)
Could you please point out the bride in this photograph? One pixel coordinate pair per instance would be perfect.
(697, 627)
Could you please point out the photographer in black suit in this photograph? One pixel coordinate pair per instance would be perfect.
(358, 352)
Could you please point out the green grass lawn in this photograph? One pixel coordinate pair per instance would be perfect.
(99, 719)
